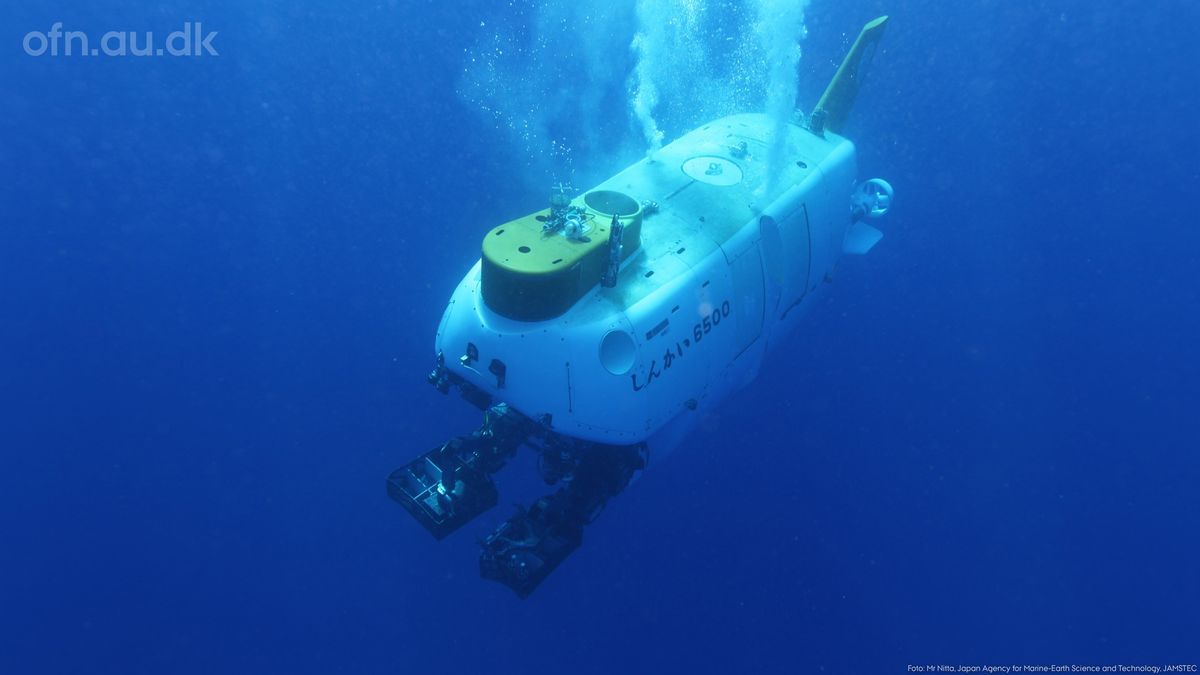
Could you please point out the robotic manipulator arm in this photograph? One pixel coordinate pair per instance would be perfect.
(450, 485)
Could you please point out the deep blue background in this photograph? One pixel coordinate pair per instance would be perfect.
(220, 280)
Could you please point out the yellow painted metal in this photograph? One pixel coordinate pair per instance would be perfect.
(519, 246)
(530, 275)
(839, 96)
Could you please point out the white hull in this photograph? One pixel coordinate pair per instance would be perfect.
(717, 284)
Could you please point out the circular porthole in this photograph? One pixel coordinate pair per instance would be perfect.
(618, 352)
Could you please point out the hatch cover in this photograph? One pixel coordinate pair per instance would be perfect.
(713, 170)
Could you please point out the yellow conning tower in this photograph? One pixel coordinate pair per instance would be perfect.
(536, 267)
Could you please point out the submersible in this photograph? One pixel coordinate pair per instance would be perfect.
(598, 330)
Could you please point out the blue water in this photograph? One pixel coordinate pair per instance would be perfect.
(221, 277)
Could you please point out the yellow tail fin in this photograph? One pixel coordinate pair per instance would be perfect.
(838, 99)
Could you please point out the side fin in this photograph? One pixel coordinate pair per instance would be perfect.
(838, 99)
(860, 239)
